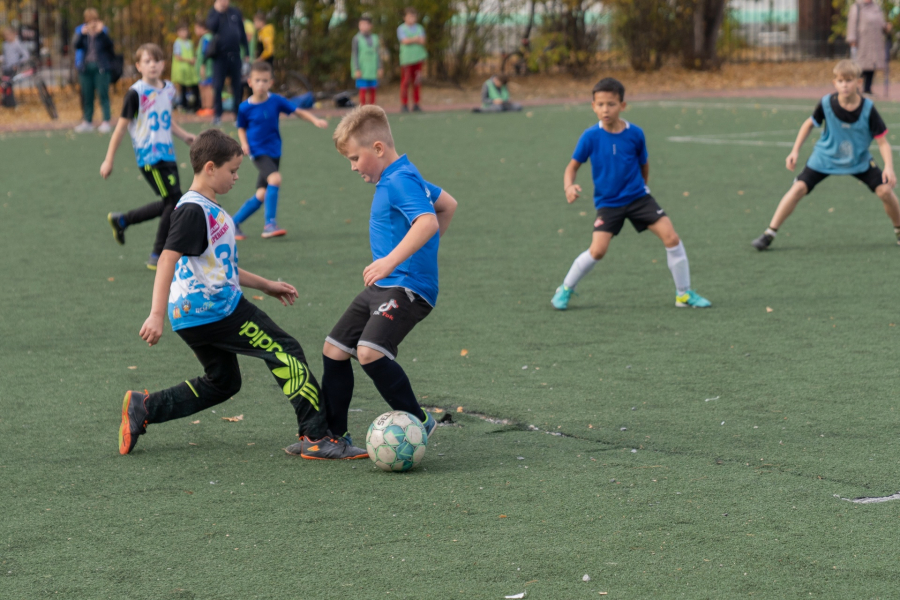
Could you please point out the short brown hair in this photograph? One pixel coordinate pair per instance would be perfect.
(847, 68)
(503, 79)
(153, 50)
(215, 146)
(409, 10)
(261, 66)
(91, 14)
(365, 124)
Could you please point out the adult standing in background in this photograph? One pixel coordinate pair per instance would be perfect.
(93, 73)
(865, 34)
(226, 23)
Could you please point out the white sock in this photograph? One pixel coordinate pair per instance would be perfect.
(678, 265)
(581, 267)
(771, 232)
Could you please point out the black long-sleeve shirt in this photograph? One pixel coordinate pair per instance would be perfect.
(229, 27)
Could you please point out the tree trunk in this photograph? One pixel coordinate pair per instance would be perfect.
(700, 51)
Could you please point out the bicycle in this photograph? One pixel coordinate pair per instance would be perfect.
(30, 73)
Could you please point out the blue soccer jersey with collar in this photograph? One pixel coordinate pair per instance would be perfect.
(401, 196)
(616, 161)
(260, 121)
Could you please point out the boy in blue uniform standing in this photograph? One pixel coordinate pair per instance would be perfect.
(618, 154)
(257, 123)
(198, 283)
(851, 123)
(408, 218)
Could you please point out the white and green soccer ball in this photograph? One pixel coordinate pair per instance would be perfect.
(396, 441)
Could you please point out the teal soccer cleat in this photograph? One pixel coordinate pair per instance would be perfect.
(692, 299)
(560, 300)
(429, 423)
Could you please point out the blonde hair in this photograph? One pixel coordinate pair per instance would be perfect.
(364, 124)
(847, 68)
(91, 14)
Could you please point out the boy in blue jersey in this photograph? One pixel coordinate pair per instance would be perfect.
(198, 284)
(257, 123)
(851, 123)
(408, 218)
(618, 154)
(147, 116)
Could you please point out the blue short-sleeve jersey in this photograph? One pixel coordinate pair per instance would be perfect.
(616, 161)
(260, 121)
(401, 196)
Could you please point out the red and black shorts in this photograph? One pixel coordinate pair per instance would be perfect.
(379, 318)
(642, 213)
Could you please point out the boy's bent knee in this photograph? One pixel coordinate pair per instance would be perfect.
(885, 192)
(597, 253)
(274, 179)
(367, 355)
(334, 353)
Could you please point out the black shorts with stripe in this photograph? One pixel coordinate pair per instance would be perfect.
(163, 178)
(642, 213)
(871, 177)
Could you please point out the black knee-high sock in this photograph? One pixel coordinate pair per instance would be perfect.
(394, 386)
(337, 391)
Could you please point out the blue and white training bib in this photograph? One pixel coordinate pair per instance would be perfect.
(151, 129)
(843, 148)
(206, 288)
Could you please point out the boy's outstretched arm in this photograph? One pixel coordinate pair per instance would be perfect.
(444, 208)
(184, 136)
(116, 139)
(887, 174)
(422, 230)
(791, 160)
(308, 116)
(571, 188)
(245, 145)
(152, 329)
(277, 289)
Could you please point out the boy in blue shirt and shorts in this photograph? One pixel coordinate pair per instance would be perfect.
(198, 284)
(851, 123)
(618, 154)
(408, 218)
(257, 123)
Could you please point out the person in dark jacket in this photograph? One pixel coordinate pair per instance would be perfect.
(226, 23)
(93, 40)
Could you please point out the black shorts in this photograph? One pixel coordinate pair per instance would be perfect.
(812, 178)
(642, 213)
(163, 178)
(379, 318)
(266, 165)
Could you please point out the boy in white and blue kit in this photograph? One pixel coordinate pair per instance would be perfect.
(408, 218)
(198, 285)
(618, 154)
(851, 123)
(147, 117)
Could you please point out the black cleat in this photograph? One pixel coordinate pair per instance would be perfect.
(115, 221)
(404, 109)
(327, 448)
(417, 108)
(762, 242)
(134, 420)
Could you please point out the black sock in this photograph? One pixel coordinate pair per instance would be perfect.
(393, 385)
(337, 391)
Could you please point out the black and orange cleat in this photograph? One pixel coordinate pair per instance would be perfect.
(134, 419)
(327, 448)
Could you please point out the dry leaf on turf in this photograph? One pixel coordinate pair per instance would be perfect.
(233, 419)
(111, 279)
(438, 410)
(132, 368)
(258, 298)
(463, 352)
(768, 309)
(195, 422)
(459, 409)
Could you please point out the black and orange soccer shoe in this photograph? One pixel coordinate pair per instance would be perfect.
(327, 448)
(134, 419)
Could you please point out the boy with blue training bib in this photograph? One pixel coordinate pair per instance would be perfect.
(408, 218)
(851, 123)
(257, 123)
(618, 154)
(198, 284)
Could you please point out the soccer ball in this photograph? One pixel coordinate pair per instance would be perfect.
(396, 441)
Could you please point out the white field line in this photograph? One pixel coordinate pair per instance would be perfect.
(807, 106)
(875, 500)
(740, 139)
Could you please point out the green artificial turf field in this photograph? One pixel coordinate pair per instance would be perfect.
(698, 454)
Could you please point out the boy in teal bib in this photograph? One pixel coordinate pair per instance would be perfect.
(365, 61)
(851, 123)
(411, 36)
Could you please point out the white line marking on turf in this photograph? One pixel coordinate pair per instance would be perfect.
(874, 500)
(720, 140)
(801, 105)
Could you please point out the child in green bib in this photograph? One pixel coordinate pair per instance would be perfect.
(184, 72)
(411, 36)
(495, 96)
(365, 61)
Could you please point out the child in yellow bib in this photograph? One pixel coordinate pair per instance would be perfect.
(184, 72)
